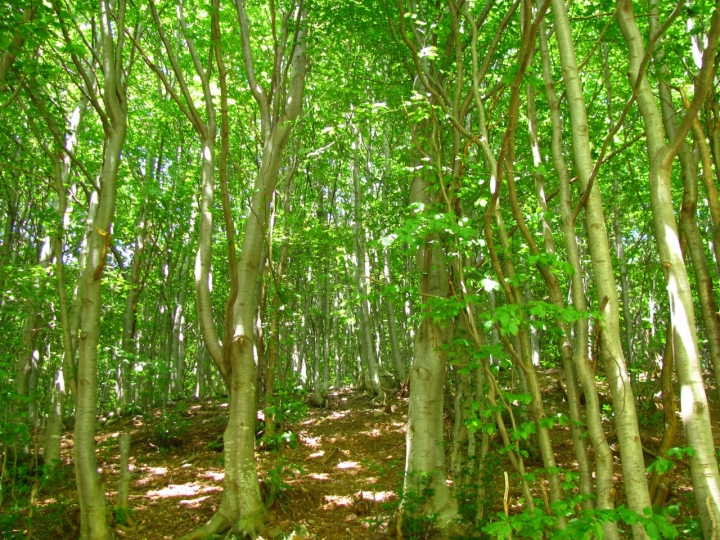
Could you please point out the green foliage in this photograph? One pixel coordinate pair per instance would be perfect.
(586, 526)
(691, 528)
(125, 516)
(524, 525)
(661, 464)
(172, 426)
(276, 479)
(288, 406)
(20, 480)
(416, 524)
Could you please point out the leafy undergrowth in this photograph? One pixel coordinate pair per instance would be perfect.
(339, 479)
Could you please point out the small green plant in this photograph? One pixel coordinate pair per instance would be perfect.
(586, 526)
(172, 426)
(415, 524)
(691, 528)
(125, 516)
(288, 406)
(216, 445)
(276, 477)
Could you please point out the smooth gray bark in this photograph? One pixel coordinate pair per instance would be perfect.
(693, 400)
(91, 489)
(626, 422)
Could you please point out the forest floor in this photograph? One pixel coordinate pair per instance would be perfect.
(339, 481)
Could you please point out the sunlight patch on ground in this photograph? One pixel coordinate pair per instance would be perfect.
(180, 490)
(336, 415)
(378, 496)
(313, 442)
(348, 465)
(373, 433)
(217, 476)
(194, 503)
(337, 500)
(149, 474)
(314, 455)
(319, 476)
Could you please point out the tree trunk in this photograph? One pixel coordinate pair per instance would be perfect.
(617, 225)
(694, 406)
(242, 506)
(580, 445)
(129, 344)
(688, 222)
(178, 323)
(425, 461)
(626, 422)
(91, 488)
(362, 270)
(392, 325)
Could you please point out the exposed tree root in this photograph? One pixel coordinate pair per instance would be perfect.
(248, 527)
(217, 525)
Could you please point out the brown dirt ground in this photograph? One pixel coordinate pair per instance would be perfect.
(340, 480)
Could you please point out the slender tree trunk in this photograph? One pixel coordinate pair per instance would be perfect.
(242, 506)
(694, 406)
(318, 331)
(392, 325)
(713, 198)
(626, 422)
(27, 359)
(179, 325)
(482, 477)
(337, 346)
(617, 225)
(688, 221)
(669, 412)
(91, 488)
(326, 339)
(580, 444)
(242, 503)
(586, 376)
(362, 269)
(129, 351)
(273, 347)
(65, 378)
(425, 455)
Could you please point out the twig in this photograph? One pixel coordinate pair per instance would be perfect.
(505, 499)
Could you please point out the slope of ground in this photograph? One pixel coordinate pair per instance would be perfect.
(339, 480)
